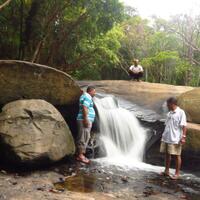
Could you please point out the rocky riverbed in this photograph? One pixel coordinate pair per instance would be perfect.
(71, 180)
(98, 181)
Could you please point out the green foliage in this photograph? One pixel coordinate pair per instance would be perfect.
(53, 32)
(103, 53)
(97, 39)
(135, 42)
(161, 67)
(87, 73)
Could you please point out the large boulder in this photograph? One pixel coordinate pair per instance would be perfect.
(190, 102)
(25, 80)
(32, 131)
(193, 138)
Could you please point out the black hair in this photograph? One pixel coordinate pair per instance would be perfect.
(172, 100)
(90, 88)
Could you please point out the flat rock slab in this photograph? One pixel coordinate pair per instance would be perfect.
(148, 95)
(25, 80)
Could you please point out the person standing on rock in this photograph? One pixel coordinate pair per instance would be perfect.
(173, 137)
(85, 119)
(136, 70)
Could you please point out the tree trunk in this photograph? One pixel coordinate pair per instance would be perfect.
(146, 74)
(36, 54)
(37, 51)
(21, 45)
(65, 34)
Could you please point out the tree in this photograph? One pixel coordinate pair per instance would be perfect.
(4, 4)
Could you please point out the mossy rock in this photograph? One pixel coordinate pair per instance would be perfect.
(190, 102)
(193, 139)
(25, 80)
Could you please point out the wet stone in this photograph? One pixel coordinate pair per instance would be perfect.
(79, 183)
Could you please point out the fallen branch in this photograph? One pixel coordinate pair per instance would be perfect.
(4, 4)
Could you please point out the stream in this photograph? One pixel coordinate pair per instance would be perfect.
(127, 132)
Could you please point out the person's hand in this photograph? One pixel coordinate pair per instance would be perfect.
(85, 123)
(183, 140)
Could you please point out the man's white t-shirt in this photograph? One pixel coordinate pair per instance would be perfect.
(174, 126)
(136, 69)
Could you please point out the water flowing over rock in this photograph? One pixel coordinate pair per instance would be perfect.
(33, 131)
(25, 80)
(147, 95)
(123, 136)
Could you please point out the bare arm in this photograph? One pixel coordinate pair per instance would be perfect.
(85, 114)
(184, 135)
(184, 131)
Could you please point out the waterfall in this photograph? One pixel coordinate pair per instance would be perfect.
(123, 137)
(121, 132)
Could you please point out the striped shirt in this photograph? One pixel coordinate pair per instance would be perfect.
(86, 100)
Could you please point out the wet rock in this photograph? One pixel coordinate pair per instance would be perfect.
(33, 131)
(13, 182)
(190, 190)
(57, 191)
(124, 179)
(3, 172)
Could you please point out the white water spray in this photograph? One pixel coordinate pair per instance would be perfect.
(123, 136)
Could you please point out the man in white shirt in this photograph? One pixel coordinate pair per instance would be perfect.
(173, 136)
(136, 70)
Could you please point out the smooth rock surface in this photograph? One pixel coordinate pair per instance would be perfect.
(190, 102)
(25, 80)
(147, 95)
(32, 130)
(193, 138)
(151, 97)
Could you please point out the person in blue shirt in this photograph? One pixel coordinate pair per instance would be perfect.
(85, 119)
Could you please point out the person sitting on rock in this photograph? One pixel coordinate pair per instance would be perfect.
(85, 119)
(173, 136)
(136, 70)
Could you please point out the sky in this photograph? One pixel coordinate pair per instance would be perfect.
(164, 8)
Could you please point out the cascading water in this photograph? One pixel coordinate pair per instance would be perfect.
(121, 133)
(123, 136)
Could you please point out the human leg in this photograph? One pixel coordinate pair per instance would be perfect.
(140, 75)
(82, 141)
(164, 149)
(167, 163)
(175, 150)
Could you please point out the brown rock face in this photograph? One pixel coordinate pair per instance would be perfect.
(148, 95)
(190, 102)
(25, 80)
(32, 130)
(193, 138)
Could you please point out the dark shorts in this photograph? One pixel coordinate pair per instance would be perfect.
(136, 76)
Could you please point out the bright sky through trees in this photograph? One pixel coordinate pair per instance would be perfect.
(164, 8)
